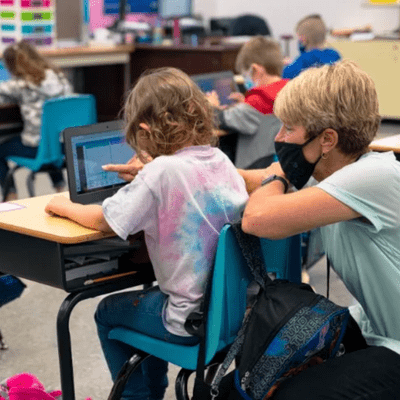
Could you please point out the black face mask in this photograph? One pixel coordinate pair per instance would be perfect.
(296, 168)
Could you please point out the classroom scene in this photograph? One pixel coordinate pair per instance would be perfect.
(197, 200)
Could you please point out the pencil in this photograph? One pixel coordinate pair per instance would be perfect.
(106, 278)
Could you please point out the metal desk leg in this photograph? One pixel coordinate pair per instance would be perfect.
(63, 334)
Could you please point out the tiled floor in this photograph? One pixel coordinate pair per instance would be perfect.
(29, 324)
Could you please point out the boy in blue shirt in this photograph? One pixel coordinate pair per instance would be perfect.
(311, 33)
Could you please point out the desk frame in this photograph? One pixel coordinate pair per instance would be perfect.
(39, 243)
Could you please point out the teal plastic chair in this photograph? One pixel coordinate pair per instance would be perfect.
(227, 305)
(58, 114)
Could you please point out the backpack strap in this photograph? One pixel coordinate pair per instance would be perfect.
(251, 250)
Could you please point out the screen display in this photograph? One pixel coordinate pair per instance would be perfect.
(174, 8)
(91, 152)
(224, 86)
(111, 7)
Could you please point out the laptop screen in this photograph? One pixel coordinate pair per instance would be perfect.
(87, 149)
(222, 82)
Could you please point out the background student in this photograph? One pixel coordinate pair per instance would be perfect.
(311, 35)
(330, 116)
(260, 61)
(181, 200)
(34, 80)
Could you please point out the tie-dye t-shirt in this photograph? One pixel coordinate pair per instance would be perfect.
(181, 202)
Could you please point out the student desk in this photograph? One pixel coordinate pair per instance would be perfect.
(10, 119)
(389, 143)
(191, 59)
(36, 246)
(103, 71)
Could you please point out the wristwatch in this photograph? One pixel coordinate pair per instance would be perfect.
(274, 177)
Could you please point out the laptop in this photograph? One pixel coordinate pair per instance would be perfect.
(89, 147)
(222, 82)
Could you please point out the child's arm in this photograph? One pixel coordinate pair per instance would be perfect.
(90, 216)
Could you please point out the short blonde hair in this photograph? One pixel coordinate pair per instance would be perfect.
(175, 109)
(263, 51)
(312, 29)
(339, 96)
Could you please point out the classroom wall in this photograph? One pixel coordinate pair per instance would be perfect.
(283, 15)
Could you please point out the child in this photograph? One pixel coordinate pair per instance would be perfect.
(33, 81)
(311, 33)
(181, 200)
(260, 61)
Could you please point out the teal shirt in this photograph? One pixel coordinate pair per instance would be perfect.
(365, 252)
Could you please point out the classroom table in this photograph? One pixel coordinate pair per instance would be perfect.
(10, 119)
(101, 70)
(36, 246)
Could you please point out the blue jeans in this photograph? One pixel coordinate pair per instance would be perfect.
(14, 147)
(140, 311)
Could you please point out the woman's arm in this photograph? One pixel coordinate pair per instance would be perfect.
(270, 213)
(90, 216)
(252, 178)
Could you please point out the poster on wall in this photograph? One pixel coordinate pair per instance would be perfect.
(384, 2)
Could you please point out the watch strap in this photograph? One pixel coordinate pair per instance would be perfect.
(276, 178)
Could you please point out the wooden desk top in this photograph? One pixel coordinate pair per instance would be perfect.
(32, 220)
(85, 50)
(390, 143)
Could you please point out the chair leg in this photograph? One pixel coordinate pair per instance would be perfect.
(181, 384)
(30, 180)
(7, 181)
(125, 372)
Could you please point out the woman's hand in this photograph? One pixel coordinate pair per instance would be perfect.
(58, 205)
(129, 170)
(275, 169)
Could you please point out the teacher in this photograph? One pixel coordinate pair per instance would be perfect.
(330, 116)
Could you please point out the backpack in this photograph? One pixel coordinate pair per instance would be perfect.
(287, 329)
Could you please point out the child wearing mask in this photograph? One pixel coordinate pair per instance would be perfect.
(311, 34)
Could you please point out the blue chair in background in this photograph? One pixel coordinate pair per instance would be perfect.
(58, 114)
(227, 304)
(4, 74)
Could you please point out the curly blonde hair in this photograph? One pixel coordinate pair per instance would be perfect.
(175, 110)
(339, 96)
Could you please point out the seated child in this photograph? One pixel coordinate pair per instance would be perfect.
(180, 199)
(311, 33)
(260, 61)
(34, 80)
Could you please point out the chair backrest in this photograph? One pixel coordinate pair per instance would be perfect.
(58, 114)
(283, 257)
(231, 278)
(227, 305)
(250, 25)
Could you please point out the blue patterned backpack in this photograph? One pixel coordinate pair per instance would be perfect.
(288, 328)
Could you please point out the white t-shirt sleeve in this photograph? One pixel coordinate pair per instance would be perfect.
(130, 209)
(370, 186)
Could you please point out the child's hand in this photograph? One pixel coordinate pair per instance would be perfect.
(129, 170)
(213, 98)
(237, 96)
(58, 206)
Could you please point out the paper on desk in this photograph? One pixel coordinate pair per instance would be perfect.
(10, 207)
